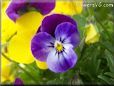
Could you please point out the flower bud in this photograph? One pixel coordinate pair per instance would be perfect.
(92, 36)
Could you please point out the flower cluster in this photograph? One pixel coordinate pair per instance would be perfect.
(41, 32)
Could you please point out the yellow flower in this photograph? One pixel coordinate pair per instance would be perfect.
(6, 70)
(92, 36)
(6, 32)
(69, 7)
(19, 45)
(8, 26)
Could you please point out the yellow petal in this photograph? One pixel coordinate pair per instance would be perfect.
(20, 45)
(92, 35)
(70, 7)
(12, 78)
(3, 79)
(29, 21)
(8, 29)
(94, 39)
(19, 49)
(5, 70)
(8, 26)
(41, 65)
(5, 4)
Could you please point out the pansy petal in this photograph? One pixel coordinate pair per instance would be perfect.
(40, 45)
(19, 49)
(26, 23)
(4, 5)
(73, 7)
(49, 23)
(67, 33)
(18, 7)
(8, 26)
(13, 7)
(19, 46)
(44, 6)
(5, 70)
(62, 62)
(41, 65)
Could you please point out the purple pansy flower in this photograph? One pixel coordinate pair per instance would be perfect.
(18, 82)
(54, 42)
(43, 6)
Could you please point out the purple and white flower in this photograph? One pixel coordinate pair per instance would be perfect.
(54, 43)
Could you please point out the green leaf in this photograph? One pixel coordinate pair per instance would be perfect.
(108, 46)
(110, 60)
(110, 74)
(106, 79)
(101, 13)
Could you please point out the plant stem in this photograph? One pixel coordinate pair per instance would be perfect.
(30, 75)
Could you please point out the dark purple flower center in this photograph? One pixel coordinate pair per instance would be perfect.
(26, 9)
(58, 46)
